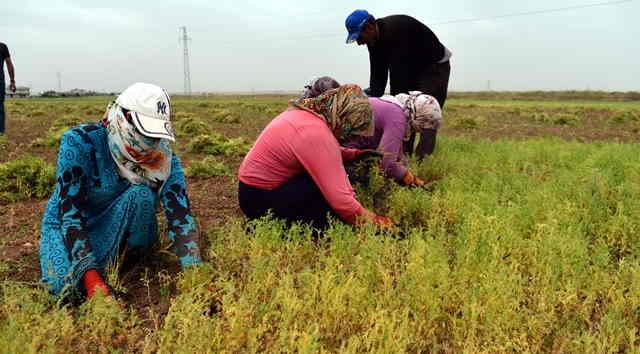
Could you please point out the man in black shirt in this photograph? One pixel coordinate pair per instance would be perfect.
(407, 51)
(5, 57)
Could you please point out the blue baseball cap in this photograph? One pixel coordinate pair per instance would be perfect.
(355, 23)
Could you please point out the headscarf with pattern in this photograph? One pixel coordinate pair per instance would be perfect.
(140, 159)
(346, 110)
(421, 110)
(318, 86)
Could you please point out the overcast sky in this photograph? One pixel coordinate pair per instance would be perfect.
(240, 45)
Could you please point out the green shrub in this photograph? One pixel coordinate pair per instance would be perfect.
(37, 114)
(57, 129)
(191, 126)
(31, 322)
(182, 115)
(565, 119)
(94, 111)
(625, 117)
(224, 116)
(374, 193)
(51, 139)
(468, 122)
(514, 110)
(66, 122)
(207, 168)
(562, 118)
(24, 178)
(217, 144)
(4, 144)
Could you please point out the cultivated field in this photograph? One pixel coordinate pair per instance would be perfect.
(528, 240)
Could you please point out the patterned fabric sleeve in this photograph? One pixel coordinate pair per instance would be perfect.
(72, 182)
(183, 231)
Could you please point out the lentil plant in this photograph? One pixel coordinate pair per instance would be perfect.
(24, 178)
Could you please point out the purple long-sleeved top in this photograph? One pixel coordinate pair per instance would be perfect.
(390, 123)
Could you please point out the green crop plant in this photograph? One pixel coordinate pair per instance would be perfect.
(37, 114)
(32, 322)
(51, 139)
(376, 188)
(57, 129)
(68, 121)
(562, 118)
(225, 116)
(191, 126)
(207, 168)
(24, 178)
(180, 115)
(467, 122)
(626, 116)
(94, 111)
(565, 119)
(217, 144)
(4, 144)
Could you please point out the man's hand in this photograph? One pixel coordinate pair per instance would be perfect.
(410, 180)
(367, 153)
(12, 86)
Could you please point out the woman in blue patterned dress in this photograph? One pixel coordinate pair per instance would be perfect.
(111, 176)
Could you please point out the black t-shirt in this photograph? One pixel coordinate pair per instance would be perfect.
(4, 54)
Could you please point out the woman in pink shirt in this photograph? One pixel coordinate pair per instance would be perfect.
(295, 169)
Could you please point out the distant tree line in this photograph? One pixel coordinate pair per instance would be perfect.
(75, 93)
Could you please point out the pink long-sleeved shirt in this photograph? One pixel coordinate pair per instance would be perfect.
(296, 142)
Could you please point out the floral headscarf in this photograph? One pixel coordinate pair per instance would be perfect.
(346, 110)
(140, 159)
(318, 86)
(421, 110)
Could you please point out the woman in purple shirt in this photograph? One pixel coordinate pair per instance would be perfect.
(395, 119)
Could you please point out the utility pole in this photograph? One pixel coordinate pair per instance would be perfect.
(187, 75)
(59, 81)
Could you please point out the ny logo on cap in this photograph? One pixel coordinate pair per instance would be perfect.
(162, 108)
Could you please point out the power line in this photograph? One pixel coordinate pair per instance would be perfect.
(535, 12)
(472, 19)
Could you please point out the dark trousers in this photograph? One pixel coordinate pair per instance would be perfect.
(434, 81)
(2, 109)
(299, 199)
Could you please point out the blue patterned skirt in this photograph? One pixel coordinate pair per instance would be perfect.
(128, 221)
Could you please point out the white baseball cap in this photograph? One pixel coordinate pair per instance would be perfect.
(150, 108)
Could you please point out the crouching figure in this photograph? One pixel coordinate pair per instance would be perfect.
(111, 176)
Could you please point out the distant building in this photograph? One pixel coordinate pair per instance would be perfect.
(21, 92)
